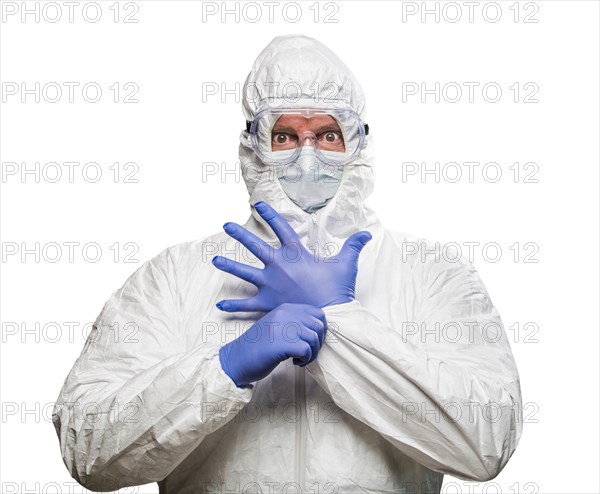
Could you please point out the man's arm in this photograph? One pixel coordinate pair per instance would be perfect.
(445, 394)
(137, 401)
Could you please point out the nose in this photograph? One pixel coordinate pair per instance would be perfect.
(308, 139)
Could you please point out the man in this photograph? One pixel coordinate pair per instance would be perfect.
(397, 370)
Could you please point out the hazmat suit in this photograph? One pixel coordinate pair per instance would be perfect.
(415, 378)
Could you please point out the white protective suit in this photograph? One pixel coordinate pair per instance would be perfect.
(410, 384)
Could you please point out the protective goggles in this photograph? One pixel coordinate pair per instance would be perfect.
(278, 135)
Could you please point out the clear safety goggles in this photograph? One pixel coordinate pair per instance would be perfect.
(278, 135)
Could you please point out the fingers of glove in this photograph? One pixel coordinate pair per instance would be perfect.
(306, 308)
(285, 233)
(314, 311)
(309, 315)
(254, 244)
(252, 304)
(312, 338)
(243, 271)
(315, 342)
(312, 322)
(300, 352)
(317, 326)
(354, 245)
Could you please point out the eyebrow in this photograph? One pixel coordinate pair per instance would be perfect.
(328, 128)
(289, 130)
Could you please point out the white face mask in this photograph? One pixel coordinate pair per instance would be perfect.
(309, 182)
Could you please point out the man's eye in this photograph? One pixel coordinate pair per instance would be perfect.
(281, 138)
(332, 136)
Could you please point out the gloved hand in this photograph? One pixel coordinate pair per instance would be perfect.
(292, 273)
(290, 330)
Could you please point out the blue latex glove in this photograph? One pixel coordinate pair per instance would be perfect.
(290, 330)
(292, 273)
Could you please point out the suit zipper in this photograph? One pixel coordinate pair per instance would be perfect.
(300, 434)
(301, 391)
(313, 231)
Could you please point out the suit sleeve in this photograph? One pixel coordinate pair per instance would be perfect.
(444, 388)
(137, 401)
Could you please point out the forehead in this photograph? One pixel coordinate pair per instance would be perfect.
(300, 122)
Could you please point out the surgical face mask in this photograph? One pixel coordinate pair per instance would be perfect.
(309, 182)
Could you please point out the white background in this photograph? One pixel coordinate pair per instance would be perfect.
(171, 132)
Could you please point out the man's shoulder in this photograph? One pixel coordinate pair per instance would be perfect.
(198, 245)
(415, 249)
(194, 251)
